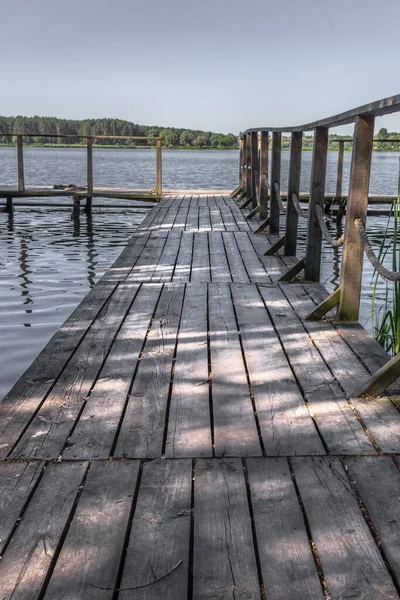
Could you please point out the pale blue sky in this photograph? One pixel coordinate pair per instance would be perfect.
(219, 65)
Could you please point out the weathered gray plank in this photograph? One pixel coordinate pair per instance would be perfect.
(25, 563)
(159, 543)
(237, 268)
(218, 262)
(90, 556)
(183, 265)
(142, 429)
(166, 265)
(204, 219)
(377, 480)
(201, 260)
(342, 432)
(255, 269)
(286, 560)
(234, 420)
(224, 558)
(148, 260)
(124, 264)
(95, 431)
(351, 562)
(17, 480)
(189, 432)
(286, 425)
(26, 396)
(48, 431)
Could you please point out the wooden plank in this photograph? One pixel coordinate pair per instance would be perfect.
(219, 264)
(312, 265)
(230, 392)
(357, 205)
(275, 178)
(29, 555)
(224, 558)
(50, 427)
(192, 222)
(124, 264)
(229, 220)
(201, 259)
(286, 560)
(254, 165)
(17, 480)
(95, 431)
(90, 556)
(292, 216)
(30, 390)
(204, 219)
(286, 426)
(342, 432)
(183, 265)
(217, 223)
(189, 432)
(377, 480)
(351, 562)
(158, 551)
(254, 267)
(142, 429)
(166, 265)
(380, 416)
(264, 175)
(147, 263)
(181, 216)
(237, 268)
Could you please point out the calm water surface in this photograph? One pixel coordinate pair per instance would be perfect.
(48, 263)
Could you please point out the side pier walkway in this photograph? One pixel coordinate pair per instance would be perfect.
(187, 434)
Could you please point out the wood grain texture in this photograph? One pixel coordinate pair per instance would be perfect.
(350, 559)
(286, 559)
(224, 558)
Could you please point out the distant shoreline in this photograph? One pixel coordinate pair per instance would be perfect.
(120, 147)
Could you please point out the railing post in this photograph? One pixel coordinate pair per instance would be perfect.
(20, 160)
(263, 200)
(339, 178)
(89, 161)
(312, 265)
(275, 178)
(159, 167)
(292, 216)
(357, 205)
(249, 189)
(254, 166)
(240, 163)
(244, 166)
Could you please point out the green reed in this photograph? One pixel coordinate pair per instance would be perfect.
(386, 318)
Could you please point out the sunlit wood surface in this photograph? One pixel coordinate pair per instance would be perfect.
(187, 434)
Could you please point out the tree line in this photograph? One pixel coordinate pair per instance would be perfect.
(40, 129)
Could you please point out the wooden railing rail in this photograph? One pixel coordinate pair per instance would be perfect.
(347, 296)
(89, 149)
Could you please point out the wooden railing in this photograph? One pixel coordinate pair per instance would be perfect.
(263, 195)
(89, 152)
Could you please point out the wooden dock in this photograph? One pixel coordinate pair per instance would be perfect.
(188, 434)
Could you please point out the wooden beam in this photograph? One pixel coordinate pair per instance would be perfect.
(292, 216)
(9, 205)
(249, 188)
(381, 380)
(254, 166)
(275, 247)
(159, 167)
(263, 199)
(339, 176)
(353, 252)
(325, 306)
(244, 166)
(275, 178)
(240, 163)
(263, 225)
(246, 203)
(76, 207)
(293, 271)
(317, 196)
(253, 212)
(20, 159)
(89, 150)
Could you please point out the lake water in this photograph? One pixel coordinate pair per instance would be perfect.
(48, 263)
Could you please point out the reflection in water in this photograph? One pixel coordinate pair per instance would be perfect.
(91, 253)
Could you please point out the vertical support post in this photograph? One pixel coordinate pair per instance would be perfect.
(263, 200)
(254, 166)
(76, 207)
(244, 166)
(275, 178)
(159, 167)
(357, 205)
(312, 265)
(241, 163)
(249, 189)
(20, 159)
(339, 177)
(292, 217)
(89, 149)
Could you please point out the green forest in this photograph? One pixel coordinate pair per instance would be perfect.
(39, 130)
